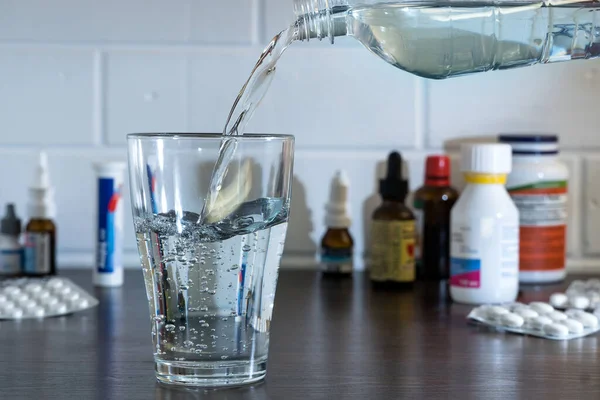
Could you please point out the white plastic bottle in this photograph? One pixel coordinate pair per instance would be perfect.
(538, 185)
(484, 246)
(108, 271)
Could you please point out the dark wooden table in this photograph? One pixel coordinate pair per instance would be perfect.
(331, 339)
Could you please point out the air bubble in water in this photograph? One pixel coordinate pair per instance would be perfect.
(170, 327)
(224, 357)
(182, 328)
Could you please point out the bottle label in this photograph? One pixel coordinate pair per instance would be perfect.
(11, 261)
(489, 244)
(336, 260)
(417, 210)
(38, 253)
(543, 219)
(393, 251)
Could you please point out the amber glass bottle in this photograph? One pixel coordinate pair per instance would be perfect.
(432, 204)
(392, 243)
(40, 247)
(337, 245)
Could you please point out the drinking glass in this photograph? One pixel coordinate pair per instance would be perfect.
(210, 267)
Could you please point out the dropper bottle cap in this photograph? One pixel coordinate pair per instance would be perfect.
(337, 207)
(393, 187)
(10, 224)
(41, 202)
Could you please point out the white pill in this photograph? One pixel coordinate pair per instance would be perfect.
(557, 316)
(65, 290)
(3, 298)
(594, 298)
(555, 330)
(587, 319)
(514, 306)
(577, 284)
(33, 287)
(495, 312)
(15, 313)
(42, 295)
(559, 300)
(27, 303)
(539, 322)
(512, 320)
(55, 283)
(81, 303)
(574, 326)
(37, 311)
(59, 308)
(50, 301)
(70, 296)
(11, 291)
(541, 307)
(8, 305)
(526, 312)
(580, 302)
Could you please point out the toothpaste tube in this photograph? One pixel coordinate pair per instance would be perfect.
(108, 270)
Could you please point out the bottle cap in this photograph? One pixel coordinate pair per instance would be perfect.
(337, 207)
(11, 224)
(486, 158)
(41, 202)
(393, 186)
(533, 145)
(437, 170)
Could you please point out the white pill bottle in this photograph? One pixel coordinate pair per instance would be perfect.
(538, 185)
(484, 249)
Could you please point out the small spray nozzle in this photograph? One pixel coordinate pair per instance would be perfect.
(393, 186)
(337, 207)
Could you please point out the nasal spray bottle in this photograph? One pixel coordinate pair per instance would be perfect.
(40, 232)
(108, 271)
(337, 244)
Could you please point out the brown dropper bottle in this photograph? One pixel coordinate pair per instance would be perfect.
(392, 261)
(432, 204)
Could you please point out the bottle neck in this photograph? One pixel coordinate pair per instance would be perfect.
(319, 19)
(485, 179)
(437, 181)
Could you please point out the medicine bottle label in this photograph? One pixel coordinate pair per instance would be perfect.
(487, 245)
(393, 251)
(11, 262)
(38, 253)
(336, 260)
(543, 220)
(417, 211)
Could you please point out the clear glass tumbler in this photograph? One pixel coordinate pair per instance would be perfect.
(210, 268)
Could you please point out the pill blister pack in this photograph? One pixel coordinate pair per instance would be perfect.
(583, 295)
(537, 319)
(40, 297)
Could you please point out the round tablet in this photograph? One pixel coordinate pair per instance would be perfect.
(37, 311)
(495, 312)
(541, 307)
(11, 291)
(512, 320)
(42, 295)
(80, 303)
(587, 319)
(27, 303)
(3, 298)
(580, 302)
(577, 284)
(50, 301)
(559, 300)
(33, 287)
(555, 330)
(539, 322)
(574, 326)
(72, 296)
(557, 316)
(526, 312)
(59, 308)
(55, 283)
(514, 306)
(8, 305)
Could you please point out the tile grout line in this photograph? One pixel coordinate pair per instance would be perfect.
(420, 113)
(99, 134)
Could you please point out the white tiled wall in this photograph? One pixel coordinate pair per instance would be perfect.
(77, 75)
